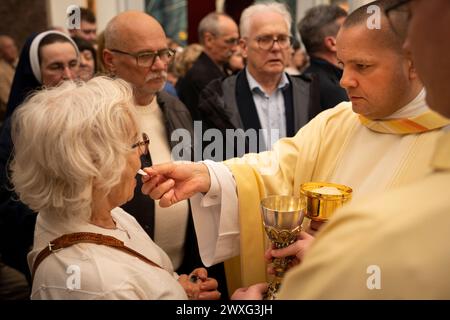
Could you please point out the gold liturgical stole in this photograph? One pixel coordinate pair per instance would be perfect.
(426, 121)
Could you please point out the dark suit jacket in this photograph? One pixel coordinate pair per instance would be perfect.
(203, 71)
(328, 77)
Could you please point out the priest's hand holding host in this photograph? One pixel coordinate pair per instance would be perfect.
(173, 182)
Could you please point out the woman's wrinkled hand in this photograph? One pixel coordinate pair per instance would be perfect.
(198, 286)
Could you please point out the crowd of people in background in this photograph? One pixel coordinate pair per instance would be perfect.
(91, 45)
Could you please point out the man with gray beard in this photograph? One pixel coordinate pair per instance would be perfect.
(136, 51)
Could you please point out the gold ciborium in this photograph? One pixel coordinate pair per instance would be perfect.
(282, 218)
(321, 199)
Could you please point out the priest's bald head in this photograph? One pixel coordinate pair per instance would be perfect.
(379, 75)
(136, 51)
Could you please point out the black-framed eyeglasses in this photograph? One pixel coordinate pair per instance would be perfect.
(147, 59)
(399, 15)
(142, 145)
(267, 42)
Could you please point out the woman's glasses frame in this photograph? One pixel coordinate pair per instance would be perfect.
(142, 145)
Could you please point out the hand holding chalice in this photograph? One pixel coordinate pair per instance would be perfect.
(282, 219)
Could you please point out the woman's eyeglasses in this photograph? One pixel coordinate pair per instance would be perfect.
(142, 145)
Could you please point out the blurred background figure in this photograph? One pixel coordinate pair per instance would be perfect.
(8, 61)
(219, 35)
(88, 59)
(184, 61)
(88, 27)
(298, 62)
(237, 61)
(47, 59)
(171, 76)
(318, 30)
(172, 44)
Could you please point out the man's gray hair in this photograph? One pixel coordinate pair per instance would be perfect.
(319, 22)
(246, 17)
(210, 23)
(78, 137)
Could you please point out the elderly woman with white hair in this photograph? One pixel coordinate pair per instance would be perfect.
(77, 151)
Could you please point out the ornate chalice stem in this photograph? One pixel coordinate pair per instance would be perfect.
(280, 239)
(282, 218)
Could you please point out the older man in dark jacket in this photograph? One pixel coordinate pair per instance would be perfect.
(262, 99)
(218, 34)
